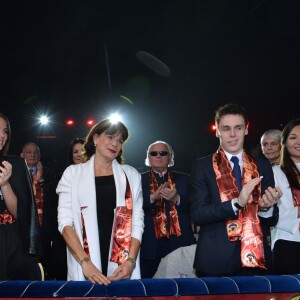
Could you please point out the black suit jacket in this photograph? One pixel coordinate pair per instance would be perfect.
(27, 218)
(149, 245)
(214, 253)
(49, 220)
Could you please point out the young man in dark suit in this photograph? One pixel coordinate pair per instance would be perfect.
(231, 198)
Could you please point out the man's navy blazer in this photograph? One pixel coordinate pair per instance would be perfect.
(149, 242)
(214, 252)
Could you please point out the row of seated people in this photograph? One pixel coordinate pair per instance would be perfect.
(120, 224)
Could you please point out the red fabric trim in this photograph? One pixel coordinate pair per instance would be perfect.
(39, 199)
(159, 212)
(122, 229)
(6, 218)
(296, 193)
(247, 227)
(84, 236)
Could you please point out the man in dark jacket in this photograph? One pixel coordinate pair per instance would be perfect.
(167, 220)
(231, 198)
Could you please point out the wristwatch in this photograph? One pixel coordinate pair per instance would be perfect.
(263, 209)
(132, 260)
(236, 204)
(86, 259)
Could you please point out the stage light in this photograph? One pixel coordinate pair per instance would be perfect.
(213, 127)
(90, 122)
(44, 120)
(70, 122)
(46, 137)
(115, 118)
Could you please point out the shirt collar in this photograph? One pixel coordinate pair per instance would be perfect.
(239, 156)
(161, 174)
(33, 169)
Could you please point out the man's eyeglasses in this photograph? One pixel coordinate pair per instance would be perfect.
(161, 153)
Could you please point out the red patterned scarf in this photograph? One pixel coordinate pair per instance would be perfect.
(296, 192)
(39, 198)
(159, 212)
(121, 230)
(247, 227)
(84, 237)
(6, 218)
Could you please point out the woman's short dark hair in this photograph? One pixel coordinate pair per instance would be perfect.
(5, 148)
(104, 126)
(73, 143)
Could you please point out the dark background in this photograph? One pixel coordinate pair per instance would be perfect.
(76, 58)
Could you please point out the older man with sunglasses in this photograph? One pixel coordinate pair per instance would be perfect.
(167, 221)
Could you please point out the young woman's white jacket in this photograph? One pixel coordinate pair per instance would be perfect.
(77, 189)
(287, 227)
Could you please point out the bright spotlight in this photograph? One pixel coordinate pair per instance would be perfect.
(44, 120)
(115, 118)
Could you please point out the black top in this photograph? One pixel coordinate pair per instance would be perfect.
(106, 203)
(19, 241)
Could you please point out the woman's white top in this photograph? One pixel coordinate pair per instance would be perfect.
(287, 227)
(77, 190)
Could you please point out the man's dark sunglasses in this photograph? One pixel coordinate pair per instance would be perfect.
(161, 153)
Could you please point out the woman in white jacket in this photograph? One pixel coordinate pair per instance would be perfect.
(100, 211)
(286, 234)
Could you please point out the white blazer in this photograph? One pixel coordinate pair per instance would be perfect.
(287, 227)
(77, 189)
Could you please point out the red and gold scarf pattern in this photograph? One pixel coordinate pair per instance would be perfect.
(122, 229)
(6, 218)
(159, 212)
(84, 237)
(39, 199)
(296, 193)
(247, 227)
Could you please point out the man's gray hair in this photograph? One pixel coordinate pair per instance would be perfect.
(170, 150)
(273, 134)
